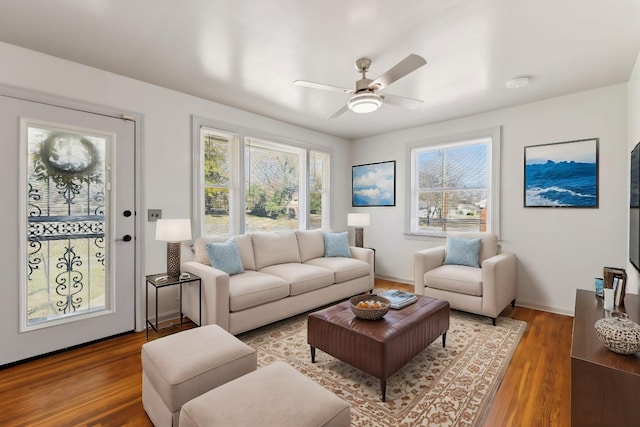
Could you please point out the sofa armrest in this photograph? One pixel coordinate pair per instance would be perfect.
(215, 294)
(498, 283)
(366, 255)
(423, 261)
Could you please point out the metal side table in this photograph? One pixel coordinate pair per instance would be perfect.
(157, 281)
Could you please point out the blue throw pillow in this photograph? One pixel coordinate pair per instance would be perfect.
(225, 257)
(463, 251)
(336, 244)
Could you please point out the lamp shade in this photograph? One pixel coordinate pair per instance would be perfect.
(173, 230)
(358, 220)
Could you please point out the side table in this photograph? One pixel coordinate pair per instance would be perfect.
(155, 281)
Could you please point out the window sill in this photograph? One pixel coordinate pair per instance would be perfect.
(433, 236)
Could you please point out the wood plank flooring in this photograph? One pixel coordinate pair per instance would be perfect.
(100, 384)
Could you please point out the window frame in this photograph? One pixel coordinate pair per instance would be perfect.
(493, 199)
(237, 193)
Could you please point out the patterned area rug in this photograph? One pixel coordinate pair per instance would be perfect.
(451, 386)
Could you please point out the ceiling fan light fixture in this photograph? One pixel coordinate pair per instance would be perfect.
(364, 102)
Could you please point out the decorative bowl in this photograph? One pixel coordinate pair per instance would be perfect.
(369, 313)
(619, 334)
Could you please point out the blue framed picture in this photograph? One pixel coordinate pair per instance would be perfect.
(374, 184)
(562, 174)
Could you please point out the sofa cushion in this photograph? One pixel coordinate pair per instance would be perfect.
(463, 251)
(343, 268)
(310, 243)
(336, 244)
(253, 288)
(225, 257)
(243, 242)
(245, 249)
(270, 248)
(455, 278)
(301, 277)
(200, 253)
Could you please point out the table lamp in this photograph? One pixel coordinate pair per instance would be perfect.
(358, 220)
(173, 231)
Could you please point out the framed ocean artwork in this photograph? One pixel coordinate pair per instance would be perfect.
(561, 174)
(374, 184)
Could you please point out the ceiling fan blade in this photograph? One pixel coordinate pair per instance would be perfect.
(402, 101)
(341, 111)
(401, 69)
(321, 86)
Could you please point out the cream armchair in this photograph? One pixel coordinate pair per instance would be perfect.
(484, 290)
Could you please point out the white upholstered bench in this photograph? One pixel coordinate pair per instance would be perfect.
(179, 367)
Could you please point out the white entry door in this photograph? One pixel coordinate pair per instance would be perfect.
(68, 227)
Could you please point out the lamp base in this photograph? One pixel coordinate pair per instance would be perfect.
(359, 237)
(173, 258)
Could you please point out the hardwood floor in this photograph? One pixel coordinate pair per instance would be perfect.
(100, 384)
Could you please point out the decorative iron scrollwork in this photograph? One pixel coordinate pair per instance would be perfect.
(69, 281)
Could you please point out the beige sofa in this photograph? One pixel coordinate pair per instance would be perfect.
(484, 290)
(285, 273)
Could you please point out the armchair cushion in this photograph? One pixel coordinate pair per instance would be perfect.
(455, 278)
(463, 251)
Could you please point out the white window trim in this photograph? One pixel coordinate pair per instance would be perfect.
(493, 217)
(237, 225)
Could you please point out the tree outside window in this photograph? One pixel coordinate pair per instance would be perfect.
(451, 187)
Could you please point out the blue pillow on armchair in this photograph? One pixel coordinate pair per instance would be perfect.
(463, 251)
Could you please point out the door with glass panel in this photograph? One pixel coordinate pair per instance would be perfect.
(69, 222)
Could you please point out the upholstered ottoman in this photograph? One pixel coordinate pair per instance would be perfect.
(378, 347)
(276, 395)
(179, 367)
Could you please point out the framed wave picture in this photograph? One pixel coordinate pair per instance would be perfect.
(562, 174)
(374, 184)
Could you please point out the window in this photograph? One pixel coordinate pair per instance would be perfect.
(272, 186)
(318, 189)
(217, 155)
(454, 186)
(245, 183)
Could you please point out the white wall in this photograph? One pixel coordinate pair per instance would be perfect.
(633, 133)
(166, 133)
(559, 250)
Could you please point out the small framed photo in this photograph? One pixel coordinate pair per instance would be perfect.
(374, 184)
(561, 174)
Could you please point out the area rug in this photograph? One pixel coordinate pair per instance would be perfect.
(451, 386)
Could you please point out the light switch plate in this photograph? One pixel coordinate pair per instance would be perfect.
(154, 214)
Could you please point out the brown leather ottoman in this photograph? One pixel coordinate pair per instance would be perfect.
(378, 347)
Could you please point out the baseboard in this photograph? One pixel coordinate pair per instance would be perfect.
(546, 308)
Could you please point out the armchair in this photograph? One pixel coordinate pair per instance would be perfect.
(484, 290)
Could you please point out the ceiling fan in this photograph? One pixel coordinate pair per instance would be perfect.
(366, 95)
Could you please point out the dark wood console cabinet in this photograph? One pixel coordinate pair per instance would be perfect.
(605, 386)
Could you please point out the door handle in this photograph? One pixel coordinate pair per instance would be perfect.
(127, 213)
(125, 238)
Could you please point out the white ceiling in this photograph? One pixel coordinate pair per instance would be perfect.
(247, 53)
